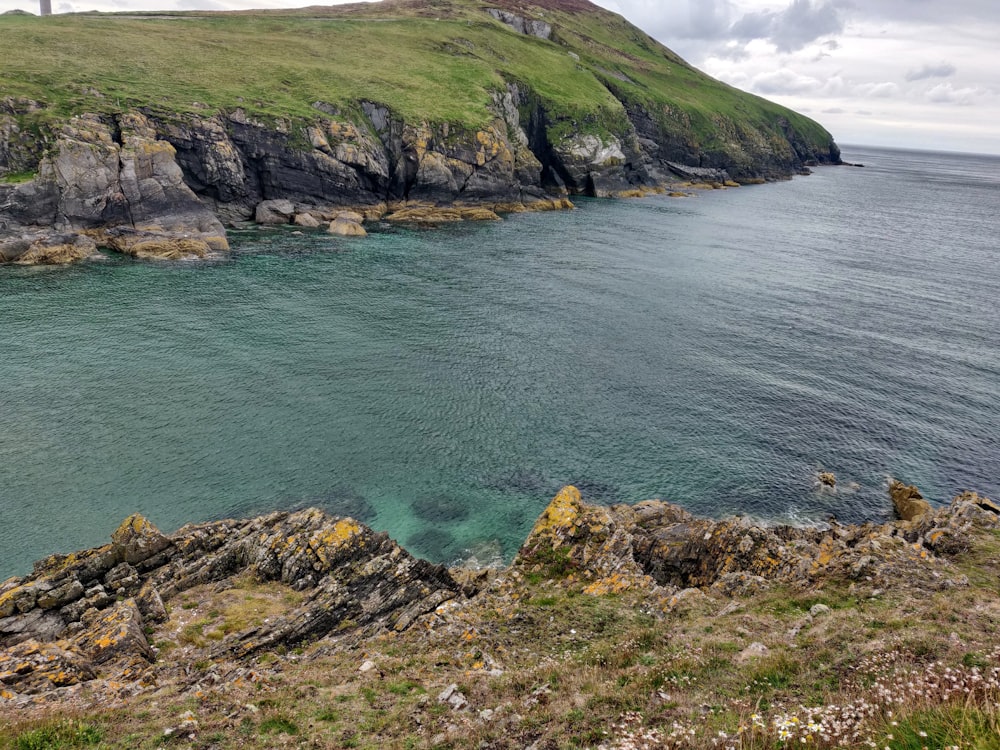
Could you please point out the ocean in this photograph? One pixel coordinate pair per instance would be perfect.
(716, 351)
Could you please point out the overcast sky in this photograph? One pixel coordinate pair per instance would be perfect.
(907, 73)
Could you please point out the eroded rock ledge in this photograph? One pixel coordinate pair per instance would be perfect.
(82, 615)
(156, 184)
(84, 618)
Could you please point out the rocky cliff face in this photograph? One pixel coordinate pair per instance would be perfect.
(107, 181)
(85, 618)
(154, 184)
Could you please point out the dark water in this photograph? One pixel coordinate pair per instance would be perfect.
(716, 351)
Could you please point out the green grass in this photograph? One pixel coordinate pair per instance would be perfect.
(15, 178)
(973, 727)
(430, 61)
(278, 725)
(57, 735)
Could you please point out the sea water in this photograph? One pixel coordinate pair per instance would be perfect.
(716, 351)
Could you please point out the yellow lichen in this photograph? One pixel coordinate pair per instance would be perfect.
(612, 584)
(562, 511)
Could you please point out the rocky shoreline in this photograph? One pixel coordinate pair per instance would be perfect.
(87, 621)
(156, 185)
(153, 175)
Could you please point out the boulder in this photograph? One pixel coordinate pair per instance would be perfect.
(39, 624)
(347, 228)
(278, 211)
(136, 540)
(306, 220)
(354, 216)
(755, 650)
(61, 594)
(907, 501)
(116, 633)
(31, 666)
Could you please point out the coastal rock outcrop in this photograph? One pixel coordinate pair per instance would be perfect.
(522, 25)
(907, 501)
(85, 617)
(658, 546)
(81, 615)
(159, 178)
(114, 181)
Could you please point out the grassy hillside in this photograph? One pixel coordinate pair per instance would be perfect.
(431, 60)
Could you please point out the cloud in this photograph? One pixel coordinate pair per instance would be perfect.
(791, 29)
(945, 93)
(929, 11)
(941, 70)
(785, 81)
(708, 19)
(833, 111)
(884, 90)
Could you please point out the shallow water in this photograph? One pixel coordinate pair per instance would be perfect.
(442, 385)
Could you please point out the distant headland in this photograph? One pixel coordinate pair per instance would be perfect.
(162, 130)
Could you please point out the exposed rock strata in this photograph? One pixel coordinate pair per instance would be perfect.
(115, 181)
(85, 614)
(522, 25)
(156, 185)
(84, 617)
(660, 547)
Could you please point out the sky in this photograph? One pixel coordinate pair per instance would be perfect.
(900, 73)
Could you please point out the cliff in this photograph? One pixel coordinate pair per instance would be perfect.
(613, 625)
(161, 129)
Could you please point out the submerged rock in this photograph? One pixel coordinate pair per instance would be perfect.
(439, 507)
(433, 542)
(343, 500)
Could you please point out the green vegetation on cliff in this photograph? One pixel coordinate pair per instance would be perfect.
(428, 60)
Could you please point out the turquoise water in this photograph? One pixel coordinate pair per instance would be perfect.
(442, 385)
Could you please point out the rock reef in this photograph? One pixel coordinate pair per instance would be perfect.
(84, 617)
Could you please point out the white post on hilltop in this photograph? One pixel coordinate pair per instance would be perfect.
(46, 7)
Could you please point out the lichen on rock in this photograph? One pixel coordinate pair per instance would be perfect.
(85, 616)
